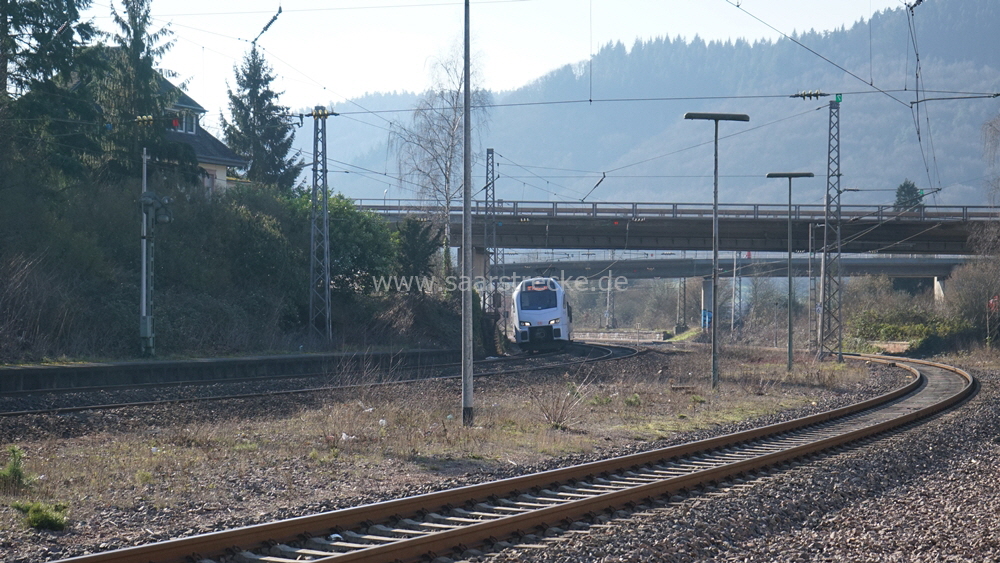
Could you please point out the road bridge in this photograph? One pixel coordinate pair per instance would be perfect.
(688, 226)
(889, 265)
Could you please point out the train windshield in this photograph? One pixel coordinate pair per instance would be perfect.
(536, 299)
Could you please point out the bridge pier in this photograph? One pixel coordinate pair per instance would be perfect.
(480, 262)
(939, 286)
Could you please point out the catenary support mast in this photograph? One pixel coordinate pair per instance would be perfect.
(320, 324)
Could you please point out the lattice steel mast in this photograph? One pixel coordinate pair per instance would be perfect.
(831, 328)
(494, 255)
(320, 323)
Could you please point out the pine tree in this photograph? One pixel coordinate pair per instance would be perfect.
(43, 64)
(908, 197)
(134, 87)
(39, 40)
(259, 131)
(419, 242)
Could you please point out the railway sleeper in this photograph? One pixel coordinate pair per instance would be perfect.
(632, 481)
(336, 546)
(250, 557)
(668, 473)
(581, 490)
(369, 538)
(641, 476)
(472, 514)
(282, 550)
(612, 484)
(565, 495)
(526, 506)
(442, 519)
(380, 530)
(540, 499)
(426, 525)
(501, 507)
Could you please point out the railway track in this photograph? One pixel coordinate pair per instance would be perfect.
(462, 522)
(93, 398)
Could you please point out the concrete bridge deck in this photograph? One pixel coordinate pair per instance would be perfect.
(892, 266)
(688, 226)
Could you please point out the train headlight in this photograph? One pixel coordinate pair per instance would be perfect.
(554, 321)
(525, 323)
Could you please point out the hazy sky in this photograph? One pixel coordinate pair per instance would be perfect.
(328, 50)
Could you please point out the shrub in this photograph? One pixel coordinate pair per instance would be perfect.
(43, 516)
(600, 400)
(558, 404)
(143, 477)
(13, 476)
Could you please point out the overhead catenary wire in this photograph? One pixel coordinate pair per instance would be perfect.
(544, 102)
(738, 6)
(915, 108)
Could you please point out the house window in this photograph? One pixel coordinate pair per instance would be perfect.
(184, 123)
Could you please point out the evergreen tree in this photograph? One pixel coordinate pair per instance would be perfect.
(259, 131)
(418, 244)
(908, 197)
(40, 44)
(38, 40)
(134, 87)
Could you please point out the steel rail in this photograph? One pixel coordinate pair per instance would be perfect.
(503, 508)
(606, 353)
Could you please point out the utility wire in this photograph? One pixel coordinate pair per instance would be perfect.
(346, 8)
(804, 46)
(915, 109)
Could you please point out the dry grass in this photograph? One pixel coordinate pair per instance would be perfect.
(370, 435)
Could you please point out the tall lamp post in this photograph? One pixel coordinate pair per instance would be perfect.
(790, 175)
(716, 117)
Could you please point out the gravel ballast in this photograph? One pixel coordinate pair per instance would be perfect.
(927, 493)
(849, 506)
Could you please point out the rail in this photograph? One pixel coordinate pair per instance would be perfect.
(651, 210)
(448, 522)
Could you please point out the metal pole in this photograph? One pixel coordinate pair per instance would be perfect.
(467, 384)
(715, 263)
(811, 316)
(716, 117)
(788, 267)
(146, 342)
(732, 306)
(791, 295)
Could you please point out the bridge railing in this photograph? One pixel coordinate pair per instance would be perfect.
(644, 210)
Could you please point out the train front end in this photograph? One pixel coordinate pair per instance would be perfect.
(543, 318)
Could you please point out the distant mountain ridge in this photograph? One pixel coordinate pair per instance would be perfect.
(634, 132)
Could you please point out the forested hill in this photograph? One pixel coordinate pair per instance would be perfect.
(634, 130)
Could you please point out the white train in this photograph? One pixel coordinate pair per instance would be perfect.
(542, 317)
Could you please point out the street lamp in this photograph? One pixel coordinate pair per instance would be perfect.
(790, 175)
(716, 117)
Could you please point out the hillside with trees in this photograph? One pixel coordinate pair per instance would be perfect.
(621, 113)
(231, 268)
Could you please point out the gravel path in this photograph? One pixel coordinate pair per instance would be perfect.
(929, 493)
(825, 515)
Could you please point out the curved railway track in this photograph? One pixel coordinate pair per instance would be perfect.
(80, 399)
(455, 523)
